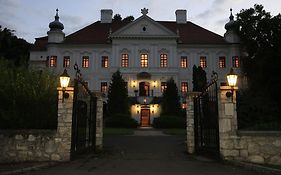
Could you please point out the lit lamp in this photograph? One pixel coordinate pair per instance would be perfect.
(232, 80)
(64, 81)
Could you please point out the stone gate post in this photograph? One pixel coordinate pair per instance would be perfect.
(190, 140)
(62, 140)
(99, 120)
(227, 123)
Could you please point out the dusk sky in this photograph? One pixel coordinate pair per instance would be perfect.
(30, 18)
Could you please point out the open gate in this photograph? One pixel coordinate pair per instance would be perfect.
(206, 124)
(83, 119)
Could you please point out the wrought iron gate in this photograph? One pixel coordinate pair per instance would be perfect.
(206, 125)
(83, 119)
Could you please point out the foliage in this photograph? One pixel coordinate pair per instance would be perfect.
(121, 121)
(171, 101)
(256, 111)
(118, 101)
(199, 79)
(13, 48)
(28, 99)
(118, 18)
(169, 121)
(260, 34)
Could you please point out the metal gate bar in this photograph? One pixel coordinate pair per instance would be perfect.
(206, 124)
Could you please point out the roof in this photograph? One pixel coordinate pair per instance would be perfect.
(98, 33)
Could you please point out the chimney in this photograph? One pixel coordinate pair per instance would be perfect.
(181, 16)
(106, 16)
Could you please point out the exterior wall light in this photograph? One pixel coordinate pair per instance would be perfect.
(64, 81)
(231, 80)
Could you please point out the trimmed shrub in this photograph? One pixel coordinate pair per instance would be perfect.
(169, 122)
(121, 121)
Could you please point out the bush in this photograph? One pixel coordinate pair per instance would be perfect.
(121, 121)
(28, 99)
(169, 122)
(257, 112)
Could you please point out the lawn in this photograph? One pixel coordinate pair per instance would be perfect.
(117, 131)
(175, 131)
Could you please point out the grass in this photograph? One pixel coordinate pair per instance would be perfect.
(175, 131)
(117, 131)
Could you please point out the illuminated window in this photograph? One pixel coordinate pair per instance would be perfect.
(163, 86)
(66, 61)
(184, 87)
(184, 62)
(125, 60)
(103, 87)
(163, 60)
(85, 61)
(203, 61)
(183, 105)
(235, 61)
(53, 61)
(222, 62)
(144, 60)
(104, 61)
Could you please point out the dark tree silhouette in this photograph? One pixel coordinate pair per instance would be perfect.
(171, 100)
(118, 102)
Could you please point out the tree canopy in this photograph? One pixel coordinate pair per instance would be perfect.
(171, 100)
(199, 78)
(118, 18)
(12, 48)
(260, 33)
(118, 102)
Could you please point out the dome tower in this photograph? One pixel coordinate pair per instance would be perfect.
(55, 34)
(231, 28)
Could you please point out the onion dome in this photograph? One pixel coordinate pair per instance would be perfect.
(231, 25)
(56, 24)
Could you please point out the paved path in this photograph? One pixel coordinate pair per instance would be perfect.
(146, 153)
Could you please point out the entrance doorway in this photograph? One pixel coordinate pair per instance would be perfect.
(145, 118)
(144, 88)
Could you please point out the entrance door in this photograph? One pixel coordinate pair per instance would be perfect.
(145, 117)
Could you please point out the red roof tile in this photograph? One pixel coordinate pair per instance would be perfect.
(97, 33)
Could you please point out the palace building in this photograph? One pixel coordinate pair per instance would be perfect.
(147, 53)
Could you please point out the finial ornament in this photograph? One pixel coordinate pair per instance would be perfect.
(231, 17)
(144, 11)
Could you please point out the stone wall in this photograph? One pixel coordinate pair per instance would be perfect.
(254, 146)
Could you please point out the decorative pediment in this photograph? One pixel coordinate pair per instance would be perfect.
(144, 27)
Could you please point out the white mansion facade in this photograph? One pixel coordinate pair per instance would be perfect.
(147, 53)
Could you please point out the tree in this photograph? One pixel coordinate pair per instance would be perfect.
(13, 48)
(171, 100)
(199, 78)
(128, 19)
(118, 102)
(117, 18)
(260, 34)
